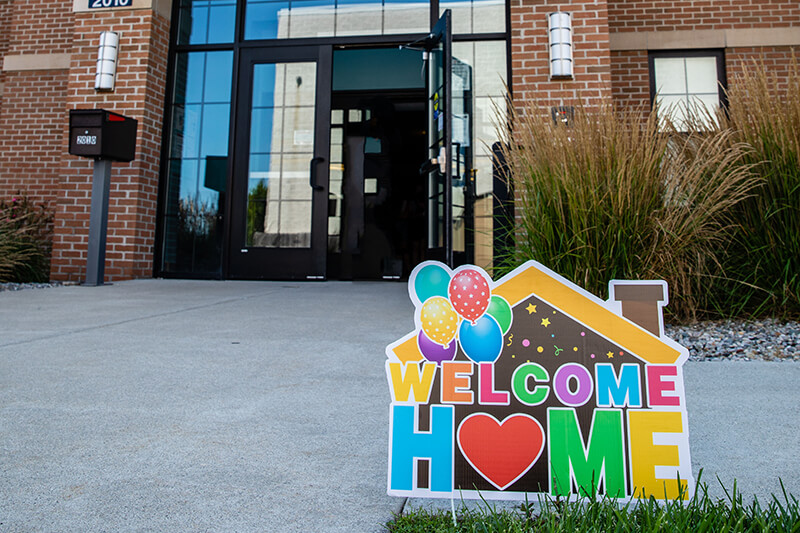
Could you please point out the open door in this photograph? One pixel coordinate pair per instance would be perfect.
(440, 139)
(449, 167)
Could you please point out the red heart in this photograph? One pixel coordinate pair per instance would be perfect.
(501, 451)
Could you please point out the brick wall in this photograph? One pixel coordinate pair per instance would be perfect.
(778, 59)
(32, 121)
(5, 26)
(531, 81)
(670, 15)
(40, 26)
(139, 93)
(630, 78)
(32, 126)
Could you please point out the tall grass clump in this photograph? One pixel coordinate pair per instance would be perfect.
(613, 196)
(764, 114)
(25, 240)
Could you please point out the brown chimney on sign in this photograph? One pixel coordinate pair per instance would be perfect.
(642, 302)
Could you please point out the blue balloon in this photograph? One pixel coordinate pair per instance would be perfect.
(431, 280)
(483, 341)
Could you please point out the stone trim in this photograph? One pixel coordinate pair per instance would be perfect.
(665, 40)
(17, 62)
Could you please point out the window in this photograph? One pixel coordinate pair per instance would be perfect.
(687, 83)
(197, 171)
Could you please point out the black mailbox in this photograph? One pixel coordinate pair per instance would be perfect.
(101, 134)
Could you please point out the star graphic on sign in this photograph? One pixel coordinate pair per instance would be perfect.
(545, 322)
(531, 308)
(610, 355)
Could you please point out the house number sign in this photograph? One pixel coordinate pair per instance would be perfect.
(95, 4)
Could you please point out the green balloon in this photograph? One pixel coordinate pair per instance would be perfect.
(500, 311)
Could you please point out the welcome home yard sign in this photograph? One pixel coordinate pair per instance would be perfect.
(531, 385)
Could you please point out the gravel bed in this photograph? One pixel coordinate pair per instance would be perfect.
(747, 340)
(21, 286)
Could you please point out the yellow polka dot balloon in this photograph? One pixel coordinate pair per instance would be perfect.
(439, 320)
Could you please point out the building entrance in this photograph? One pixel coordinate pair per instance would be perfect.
(300, 152)
(338, 167)
(377, 205)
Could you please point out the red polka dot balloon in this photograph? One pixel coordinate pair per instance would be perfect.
(469, 293)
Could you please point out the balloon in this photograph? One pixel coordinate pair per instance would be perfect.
(438, 319)
(435, 353)
(500, 311)
(482, 341)
(469, 292)
(431, 280)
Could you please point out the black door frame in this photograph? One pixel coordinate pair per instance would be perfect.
(441, 35)
(280, 263)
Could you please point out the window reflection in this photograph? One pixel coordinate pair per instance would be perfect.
(198, 164)
(270, 19)
(206, 21)
(487, 59)
(281, 149)
(476, 16)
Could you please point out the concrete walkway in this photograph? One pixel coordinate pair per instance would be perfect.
(158, 405)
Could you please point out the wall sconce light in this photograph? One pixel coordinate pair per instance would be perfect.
(560, 32)
(106, 61)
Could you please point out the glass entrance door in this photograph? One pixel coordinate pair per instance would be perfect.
(280, 184)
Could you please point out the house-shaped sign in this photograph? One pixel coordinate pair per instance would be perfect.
(531, 385)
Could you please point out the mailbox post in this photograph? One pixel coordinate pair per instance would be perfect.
(105, 137)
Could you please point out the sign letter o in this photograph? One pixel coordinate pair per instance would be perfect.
(573, 384)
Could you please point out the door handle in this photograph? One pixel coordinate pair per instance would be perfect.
(312, 175)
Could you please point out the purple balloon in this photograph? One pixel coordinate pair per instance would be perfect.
(433, 352)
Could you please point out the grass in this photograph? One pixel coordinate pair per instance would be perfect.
(614, 197)
(699, 514)
(621, 194)
(764, 114)
(25, 240)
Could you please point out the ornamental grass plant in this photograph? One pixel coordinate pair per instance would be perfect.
(25, 240)
(764, 259)
(616, 195)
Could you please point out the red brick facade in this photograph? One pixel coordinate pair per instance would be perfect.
(630, 78)
(30, 150)
(48, 56)
(141, 76)
(530, 54)
(685, 15)
(725, 24)
(34, 109)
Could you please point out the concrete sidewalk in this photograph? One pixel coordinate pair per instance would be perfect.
(166, 405)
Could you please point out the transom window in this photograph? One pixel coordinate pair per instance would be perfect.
(214, 21)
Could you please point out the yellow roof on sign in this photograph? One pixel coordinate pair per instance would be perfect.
(532, 278)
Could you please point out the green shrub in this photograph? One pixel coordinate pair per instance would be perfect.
(25, 240)
(613, 197)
